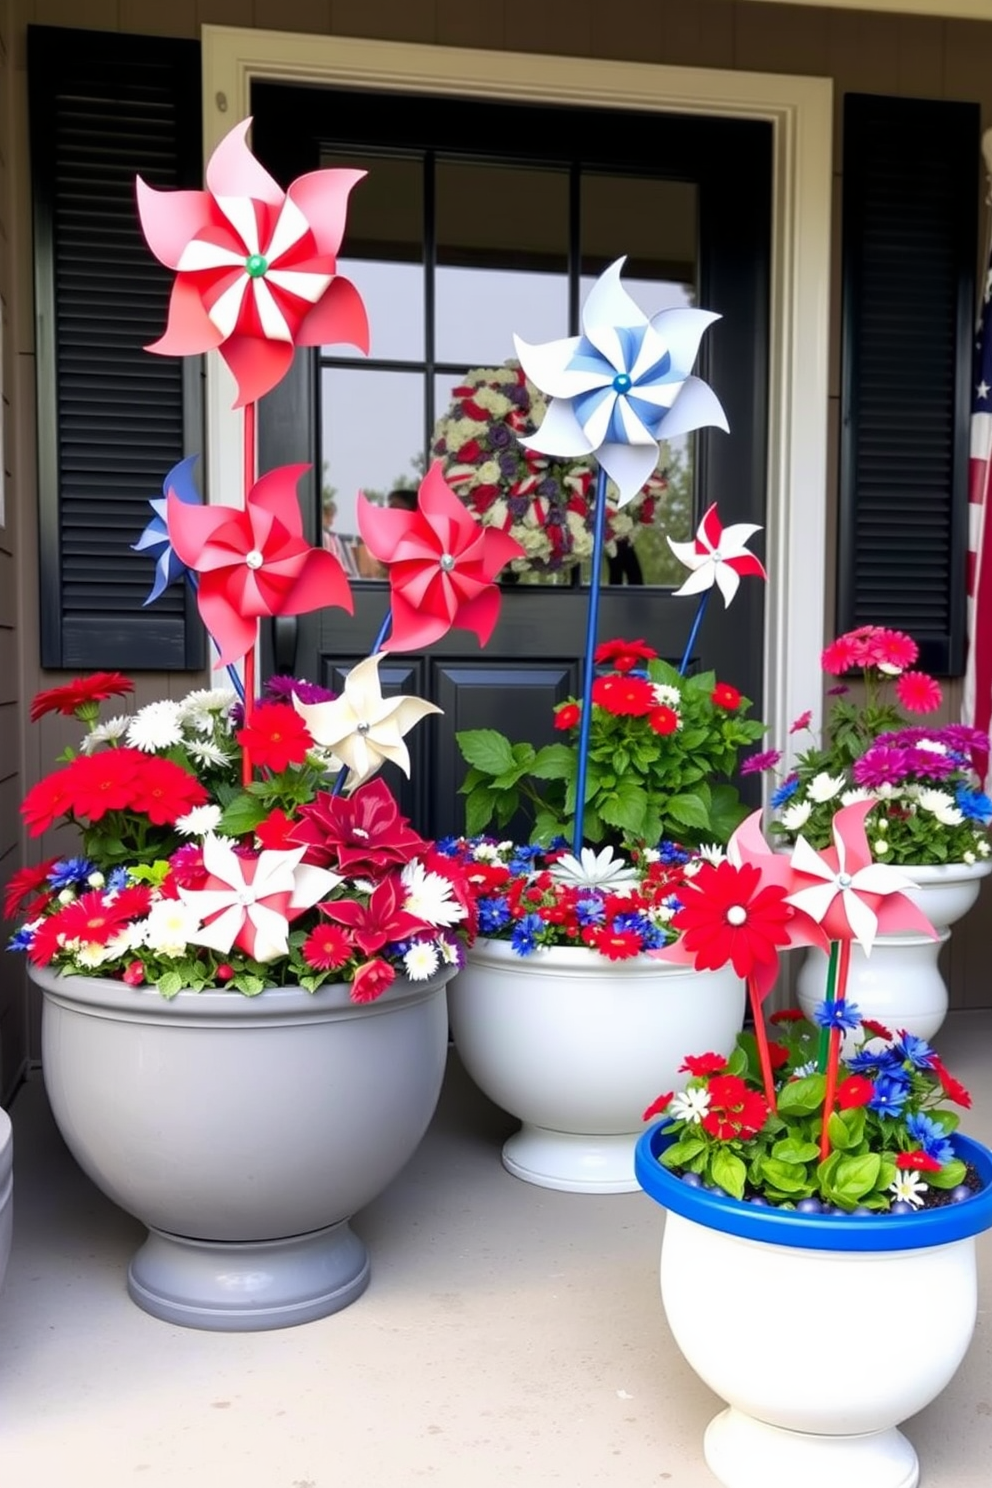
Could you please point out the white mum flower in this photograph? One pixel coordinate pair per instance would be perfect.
(857, 793)
(969, 858)
(600, 869)
(429, 895)
(156, 726)
(665, 696)
(910, 1188)
(170, 927)
(689, 1105)
(880, 847)
(199, 821)
(933, 746)
(982, 848)
(421, 961)
(794, 817)
(824, 787)
(888, 792)
(711, 852)
(941, 806)
(205, 752)
(105, 733)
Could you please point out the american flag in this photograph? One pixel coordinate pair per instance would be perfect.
(977, 707)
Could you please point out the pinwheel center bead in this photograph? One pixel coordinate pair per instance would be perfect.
(447, 562)
(254, 559)
(736, 914)
(363, 728)
(621, 383)
(845, 880)
(256, 265)
(245, 897)
(716, 555)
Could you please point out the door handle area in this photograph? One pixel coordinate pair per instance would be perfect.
(285, 632)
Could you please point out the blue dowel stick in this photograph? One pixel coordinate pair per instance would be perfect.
(700, 612)
(384, 630)
(592, 623)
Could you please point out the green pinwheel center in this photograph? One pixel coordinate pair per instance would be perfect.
(256, 265)
(621, 383)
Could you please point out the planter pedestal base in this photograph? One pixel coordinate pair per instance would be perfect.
(572, 1163)
(248, 1287)
(745, 1453)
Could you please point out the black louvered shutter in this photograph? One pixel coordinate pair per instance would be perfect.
(910, 239)
(112, 419)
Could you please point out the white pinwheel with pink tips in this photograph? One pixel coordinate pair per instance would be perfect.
(718, 555)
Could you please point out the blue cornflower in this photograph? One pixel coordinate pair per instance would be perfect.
(866, 1061)
(493, 915)
(21, 939)
(915, 1050)
(525, 933)
(785, 791)
(448, 846)
(591, 910)
(672, 855)
(973, 805)
(68, 872)
(890, 1095)
(557, 844)
(117, 879)
(837, 1014)
(651, 936)
(930, 1135)
(673, 902)
(523, 858)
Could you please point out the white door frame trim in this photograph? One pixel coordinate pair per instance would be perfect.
(800, 110)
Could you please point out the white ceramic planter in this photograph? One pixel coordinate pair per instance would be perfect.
(6, 1191)
(900, 982)
(816, 1404)
(244, 1132)
(576, 1047)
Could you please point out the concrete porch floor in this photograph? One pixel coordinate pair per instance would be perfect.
(510, 1335)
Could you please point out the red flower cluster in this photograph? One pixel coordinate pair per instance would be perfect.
(735, 1110)
(113, 780)
(624, 656)
(92, 919)
(869, 646)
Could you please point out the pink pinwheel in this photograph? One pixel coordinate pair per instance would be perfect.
(255, 265)
(852, 897)
(249, 902)
(718, 555)
(442, 564)
(254, 562)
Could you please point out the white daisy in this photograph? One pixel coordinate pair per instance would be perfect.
(207, 700)
(910, 1188)
(199, 821)
(983, 848)
(421, 961)
(205, 752)
(429, 896)
(105, 733)
(155, 727)
(486, 852)
(794, 817)
(689, 1105)
(824, 787)
(170, 927)
(942, 807)
(448, 951)
(599, 869)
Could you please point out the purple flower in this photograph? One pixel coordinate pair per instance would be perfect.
(837, 691)
(500, 437)
(881, 765)
(548, 487)
(282, 688)
(517, 393)
(508, 465)
(519, 506)
(766, 760)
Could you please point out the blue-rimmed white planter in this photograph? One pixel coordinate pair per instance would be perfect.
(577, 1047)
(817, 1402)
(244, 1132)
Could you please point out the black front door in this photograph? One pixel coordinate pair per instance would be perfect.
(478, 220)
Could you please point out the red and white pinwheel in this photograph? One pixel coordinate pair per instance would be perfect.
(852, 897)
(256, 266)
(254, 562)
(442, 565)
(718, 555)
(250, 902)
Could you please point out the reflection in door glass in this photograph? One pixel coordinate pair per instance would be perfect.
(372, 440)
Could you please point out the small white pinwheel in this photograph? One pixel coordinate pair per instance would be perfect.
(363, 728)
(718, 555)
(595, 870)
(622, 385)
(250, 902)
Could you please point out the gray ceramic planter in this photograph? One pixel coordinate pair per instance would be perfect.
(6, 1191)
(244, 1132)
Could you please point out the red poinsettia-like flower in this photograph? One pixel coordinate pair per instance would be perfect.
(24, 882)
(256, 267)
(629, 697)
(442, 565)
(361, 835)
(379, 922)
(276, 737)
(80, 697)
(734, 1110)
(326, 948)
(254, 561)
(372, 980)
(728, 916)
(624, 656)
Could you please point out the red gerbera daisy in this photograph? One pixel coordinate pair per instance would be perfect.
(24, 882)
(725, 696)
(104, 782)
(567, 716)
(876, 1029)
(727, 916)
(372, 980)
(735, 1111)
(917, 1162)
(703, 1064)
(659, 1106)
(918, 692)
(81, 696)
(326, 948)
(629, 697)
(624, 656)
(663, 720)
(615, 945)
(276, 737)
(163, 790)
(952, 1088)
(854, 1091)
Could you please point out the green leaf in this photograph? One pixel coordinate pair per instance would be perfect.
(247, 984)
(479, 810)
(625, 808)
(728, 1172)
(506, 807)
(802, 1097)
(241, 816)
(688, 811)
(169, 984)
(524, 754)
(949, 1176)
(785, 1176)
(553, 762)
(793, 1150)
(682, 1152)
(856, 1176)
(546, 827)
(487, 749)
(840, 1137)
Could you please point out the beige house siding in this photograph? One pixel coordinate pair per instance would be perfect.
(861, 51)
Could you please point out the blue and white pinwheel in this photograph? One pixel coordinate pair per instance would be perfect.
(154, 541)
(622, 385)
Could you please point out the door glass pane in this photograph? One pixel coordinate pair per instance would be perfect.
(654, 223)
(382, 251)
(372, 439)
(502, 259)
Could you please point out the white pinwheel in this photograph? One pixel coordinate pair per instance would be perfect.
(251, 901)
(595, 870)
(363, 728)
(718, 555)
(622, 385)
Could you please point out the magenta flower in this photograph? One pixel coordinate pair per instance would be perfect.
(919, 692)
(881, 765)
(767, 760)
